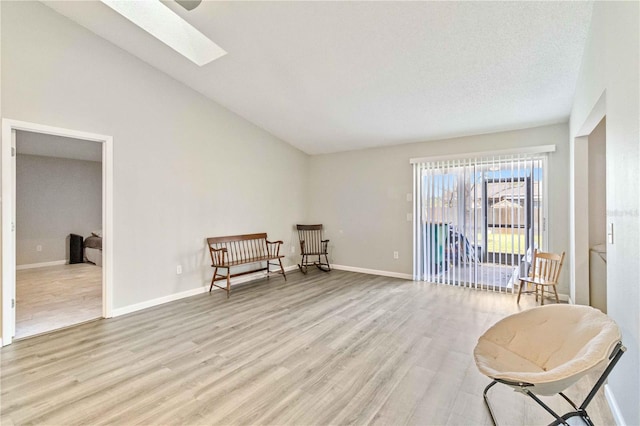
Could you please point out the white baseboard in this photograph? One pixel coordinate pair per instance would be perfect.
(562, 297)
(373, 272)
(41, 265)
(188, 293)
(613, 405)
(158, 301)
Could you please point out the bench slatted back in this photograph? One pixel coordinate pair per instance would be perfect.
(311, 239)
(240, 248)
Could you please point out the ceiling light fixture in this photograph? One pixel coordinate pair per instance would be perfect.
(168, 27)
(189, 4)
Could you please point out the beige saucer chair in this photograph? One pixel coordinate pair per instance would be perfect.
(312, 243)
(545, 272)
(545, 350)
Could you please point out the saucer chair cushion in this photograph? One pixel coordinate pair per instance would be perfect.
(550, 347)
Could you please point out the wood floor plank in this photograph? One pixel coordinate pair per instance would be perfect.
(54, 297)
(402, 402)
(336, 348)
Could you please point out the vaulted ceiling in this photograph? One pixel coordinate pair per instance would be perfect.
(336, 76)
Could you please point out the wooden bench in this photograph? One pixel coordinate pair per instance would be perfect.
(235, 250)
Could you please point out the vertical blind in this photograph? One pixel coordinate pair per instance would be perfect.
(477, 220)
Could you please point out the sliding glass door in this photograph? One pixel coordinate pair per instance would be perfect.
(477, 220)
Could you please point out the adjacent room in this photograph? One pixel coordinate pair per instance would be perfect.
(319, 212)
(58, 232)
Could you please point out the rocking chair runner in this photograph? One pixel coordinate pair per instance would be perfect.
(312, 244)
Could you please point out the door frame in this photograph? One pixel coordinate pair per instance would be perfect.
(527, 226)
(7, 193)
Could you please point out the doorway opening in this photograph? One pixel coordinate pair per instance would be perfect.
(591, 230)
(597, 191)
(58, 232)
(56, 187)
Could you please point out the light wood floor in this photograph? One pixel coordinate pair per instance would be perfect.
(54, 297)
(336, 348)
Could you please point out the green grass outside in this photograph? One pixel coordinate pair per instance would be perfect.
(506, 243)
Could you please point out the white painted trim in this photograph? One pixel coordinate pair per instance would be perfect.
(373, 272)
(546, 200)
(8, 236)
(525, 150)
(107, 227)
(158, 301)
(595, 116)
(188, 293)
(401, 275)
(613, 406)
(51, 130)
(40, 265)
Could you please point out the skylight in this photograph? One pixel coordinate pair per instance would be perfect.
(168, 27)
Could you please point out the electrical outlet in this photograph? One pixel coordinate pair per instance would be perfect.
(395, 255)
(409, 196)
(409, 217)
(293, 249)
(179, 269)
(38, 247)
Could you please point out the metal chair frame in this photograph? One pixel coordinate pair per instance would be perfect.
(579, 411)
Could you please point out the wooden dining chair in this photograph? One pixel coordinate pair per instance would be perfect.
(545, 271)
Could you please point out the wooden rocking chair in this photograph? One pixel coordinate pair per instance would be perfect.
(312, 244)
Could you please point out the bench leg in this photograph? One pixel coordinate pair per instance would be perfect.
(281, 269)
(228, 283)
(215, 273)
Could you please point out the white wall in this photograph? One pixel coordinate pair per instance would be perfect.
(360, 196)
(1, 115)
(54, 198)
(611, 66)
(185, 168)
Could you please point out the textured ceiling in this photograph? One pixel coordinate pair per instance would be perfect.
(336, 76)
